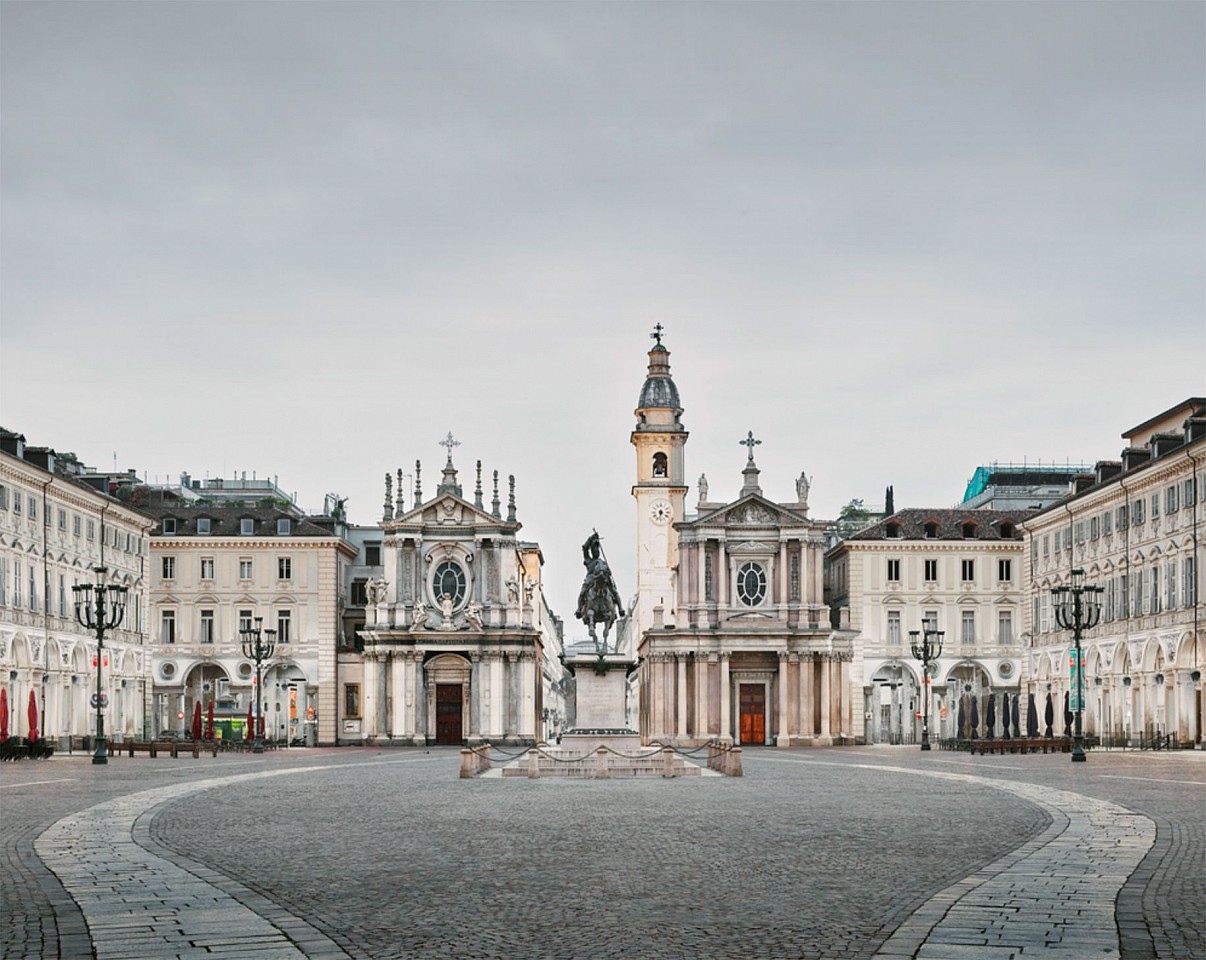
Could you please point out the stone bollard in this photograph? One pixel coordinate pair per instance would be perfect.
(534, 763)
(667, 762)
(468, 766)
(601, 761)
(735, 762)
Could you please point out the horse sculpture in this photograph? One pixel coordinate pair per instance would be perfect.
(598, 601)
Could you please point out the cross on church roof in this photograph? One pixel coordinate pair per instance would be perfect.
(449, 443)
(750, 442)
(657, 333)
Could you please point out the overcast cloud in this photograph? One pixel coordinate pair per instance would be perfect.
(896, 241)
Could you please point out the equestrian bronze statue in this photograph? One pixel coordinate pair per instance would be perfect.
(598, 601)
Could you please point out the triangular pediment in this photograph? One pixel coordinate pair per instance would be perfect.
(752, 510)
(448, 509)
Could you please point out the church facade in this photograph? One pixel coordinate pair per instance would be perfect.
(458, 643)
(733, 635)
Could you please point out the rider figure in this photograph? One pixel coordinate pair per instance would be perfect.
(598, 599)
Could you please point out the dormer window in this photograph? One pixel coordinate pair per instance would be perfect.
(1007, 532)
(167, 525)
(931, 529)
(246, 526)
(283, 527)
(659, 465)
(892, 531)
(969, 530)
(204, 525)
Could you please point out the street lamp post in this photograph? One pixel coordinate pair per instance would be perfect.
(928, 649)
(258, 645)
(99, 607)
(1078, 608)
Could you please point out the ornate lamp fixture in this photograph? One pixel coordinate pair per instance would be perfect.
(928, 649)
(1078, 608)
(100, 607)
(258, 645)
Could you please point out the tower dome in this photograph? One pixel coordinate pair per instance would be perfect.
(659, 389)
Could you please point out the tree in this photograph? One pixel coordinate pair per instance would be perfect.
(854, 510)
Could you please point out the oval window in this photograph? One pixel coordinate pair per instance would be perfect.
(751, 584)
(448, 579)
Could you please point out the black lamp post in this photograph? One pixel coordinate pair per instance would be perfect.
(928, 649)
(96, 611)
(1078, 608)
(258, 645)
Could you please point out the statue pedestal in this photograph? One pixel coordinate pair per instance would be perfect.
(600, 700)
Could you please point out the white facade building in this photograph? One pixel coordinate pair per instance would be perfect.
(1135, 528)
(960, 570)
(217, 567)
(57, 523)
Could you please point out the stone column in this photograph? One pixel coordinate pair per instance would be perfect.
(475, 693)
(680, 724)
(429, 707)
(420, 701)
(372, 694)
(406, 696)
(722, 578)
(782, 738)
(383, 667)
(726, 713)
(847, 701)
(701, 697)
(825, 706)
(512, 706)
(781, 600)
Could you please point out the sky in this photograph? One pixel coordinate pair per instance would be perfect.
(309, 240)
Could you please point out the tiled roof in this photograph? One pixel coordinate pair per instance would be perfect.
(912, 523)
(226, 521)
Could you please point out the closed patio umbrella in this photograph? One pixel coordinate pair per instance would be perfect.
(3, 715)
(197, 720)
(1049, 716)
(209, 721)
(975, 716)
(1014, 711)
(990, 722)
(961, 724)
(1067, 715)
(1031, 717)
(33, 717)
(249, 733)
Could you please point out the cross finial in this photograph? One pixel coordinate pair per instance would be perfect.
(449, 443)
(657, 333)
(750, 442)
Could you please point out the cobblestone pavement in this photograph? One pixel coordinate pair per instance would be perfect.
(375, 854)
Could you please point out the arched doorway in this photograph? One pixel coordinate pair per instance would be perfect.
(895, 701)
(208, 683)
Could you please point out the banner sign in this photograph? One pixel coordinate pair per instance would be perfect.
(1075, 663)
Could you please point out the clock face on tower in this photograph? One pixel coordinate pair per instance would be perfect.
(660, 511)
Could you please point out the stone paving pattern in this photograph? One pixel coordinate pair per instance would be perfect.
(389, 855)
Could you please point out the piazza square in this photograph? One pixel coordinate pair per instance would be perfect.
(602, 480)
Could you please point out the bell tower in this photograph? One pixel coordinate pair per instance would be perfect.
(660, 491)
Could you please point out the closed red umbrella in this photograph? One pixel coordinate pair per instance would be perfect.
(33, 717)
(209, 721)
(197, 720)
(3, 715)
(249, 733)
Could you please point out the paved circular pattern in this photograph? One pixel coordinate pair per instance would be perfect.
(831, 853)
(394, 860)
